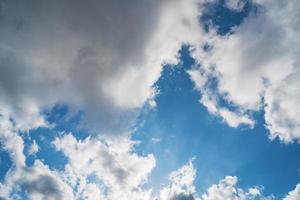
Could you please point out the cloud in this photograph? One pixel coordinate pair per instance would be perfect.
(38, 181)
(235, 5)
(226, 189)
(106, 168)
(183, 197)
(209, 98)
(44, 185)
(294, 194)
(181, 186)
(248, 68)
(281, 109)
(99, 57)
(11, 140)
(102, 58)
(110, 162)
(34, 148)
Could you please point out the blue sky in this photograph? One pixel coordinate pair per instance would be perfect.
(142, 100)
(218, 149)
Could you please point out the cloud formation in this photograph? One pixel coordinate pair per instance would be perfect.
(111, 163)
(98, 57)
(227, 189)
(181, 186)
(294, 194)
(253, 69)
(103, 58)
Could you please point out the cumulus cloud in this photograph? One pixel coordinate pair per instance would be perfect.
(99, 57)
(181, 186)
(38, 181)
(102, 58)
(97, 169)
(281, 110)
(227, 189)
(294, 194)
(251, 66)
(111, 162)
(42, 183)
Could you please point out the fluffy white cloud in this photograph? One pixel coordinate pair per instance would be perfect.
(38, 181)
(281, 110)
(97, 169)
(252, 67)
(111, 162)
(181, 186)
(11, 140)
(227, 189)
(294, 194)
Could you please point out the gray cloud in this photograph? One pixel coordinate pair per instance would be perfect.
(182, 197)
(44, 185)
(76, 52)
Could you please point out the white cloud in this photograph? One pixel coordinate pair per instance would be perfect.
(227, 189)
(252, 66)
(37, 180)
(181, 184)
(281, 110)
(107, 168)
(210, 100)
(111, 162)
(34, 148)
(294, 194)
(11, 140)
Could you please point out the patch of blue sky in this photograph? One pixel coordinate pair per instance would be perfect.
(180, 128)
(46, 153)
(218, 16)
(5, 163)
(63, 121)
(66, 120)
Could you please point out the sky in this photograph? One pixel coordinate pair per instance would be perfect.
(149, 100)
